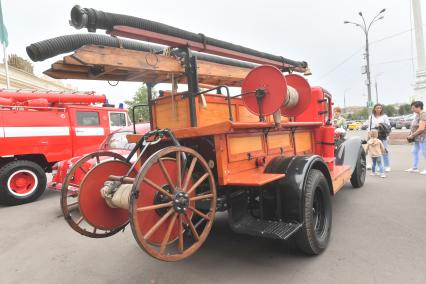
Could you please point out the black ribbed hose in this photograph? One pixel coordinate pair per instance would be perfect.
(94, 19)
(45, 49)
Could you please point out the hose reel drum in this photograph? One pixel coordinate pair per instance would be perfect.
(266, 91)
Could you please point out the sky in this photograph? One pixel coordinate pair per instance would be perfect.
(307, 30)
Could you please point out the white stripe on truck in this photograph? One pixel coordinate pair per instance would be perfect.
(92, 131)
(36, 131)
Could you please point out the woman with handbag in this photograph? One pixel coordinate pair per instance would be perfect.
(380, 121)
(417, 136)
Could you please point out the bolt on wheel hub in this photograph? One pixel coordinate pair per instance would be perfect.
(181, 201)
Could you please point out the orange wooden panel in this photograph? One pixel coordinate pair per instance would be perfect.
(171, 112)
(340, 176)
(240, 146)
(304, 142)
(221, 157)
(226, 168)
(244, 115)
(214, 111)
(280, 143)
(209, 130)
(254, 177)
(234, 167)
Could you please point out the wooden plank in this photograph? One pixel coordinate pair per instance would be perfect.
(222, 72)
(254, 177)
(303, 142)
(280, 143)
(136, 75)
(340, 176)
(107, 70)
(126, 58)
(221, 157)
(244, 115)
(57, 74)
(171, 113)
(216, 110)
(71, 60)
(140, 60)
(218, 128)
(241, 146)
(60, 66)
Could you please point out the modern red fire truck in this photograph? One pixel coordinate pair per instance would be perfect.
(39, 129)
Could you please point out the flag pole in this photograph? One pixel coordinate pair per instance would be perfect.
(6, 66)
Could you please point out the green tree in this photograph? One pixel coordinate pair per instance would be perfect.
(404, 109)
(389, 110)
(140, 97)
(361, 114)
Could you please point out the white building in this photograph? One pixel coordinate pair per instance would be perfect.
(20, 79)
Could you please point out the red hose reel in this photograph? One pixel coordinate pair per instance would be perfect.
(266, 90)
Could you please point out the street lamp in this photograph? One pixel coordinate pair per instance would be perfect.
(375, 85)
(344, 97)
(366, 28)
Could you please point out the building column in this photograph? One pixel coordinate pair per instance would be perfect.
(420, 86)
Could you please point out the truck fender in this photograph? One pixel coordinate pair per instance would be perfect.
(349, 152)
(291, 187)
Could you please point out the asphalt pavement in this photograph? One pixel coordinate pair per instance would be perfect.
(378, 236)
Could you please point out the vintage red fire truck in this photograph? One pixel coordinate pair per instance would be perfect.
(266, 156)
(39, 129)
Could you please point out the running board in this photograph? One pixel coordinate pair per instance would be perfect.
(264, 228)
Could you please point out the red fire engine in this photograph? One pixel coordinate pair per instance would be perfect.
(40, 129)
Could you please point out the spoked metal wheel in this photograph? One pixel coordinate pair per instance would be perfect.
(83, 207)
(173, 203)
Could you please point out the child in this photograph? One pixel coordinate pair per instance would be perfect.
(377, 150)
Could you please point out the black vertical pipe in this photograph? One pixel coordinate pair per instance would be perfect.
(192, 77)
(149, 87)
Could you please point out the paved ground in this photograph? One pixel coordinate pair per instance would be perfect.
(378, 236)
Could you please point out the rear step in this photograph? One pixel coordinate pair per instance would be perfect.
(267, 229)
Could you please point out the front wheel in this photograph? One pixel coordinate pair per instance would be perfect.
(21, 182)
(314, 235)
(358, 175)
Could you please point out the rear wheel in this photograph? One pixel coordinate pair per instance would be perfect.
(21, 182)
(314, 235)
(358, 176)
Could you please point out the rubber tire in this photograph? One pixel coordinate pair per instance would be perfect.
(6, 198)
(306, 239)
(358, 178)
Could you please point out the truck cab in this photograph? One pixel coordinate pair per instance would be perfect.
(39, 129)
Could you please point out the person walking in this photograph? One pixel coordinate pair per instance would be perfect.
(418, 136)
(379, 120)
(376, 150)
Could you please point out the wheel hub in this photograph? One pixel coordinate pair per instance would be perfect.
(22, 182)
(180, 201)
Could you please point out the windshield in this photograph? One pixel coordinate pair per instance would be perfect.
(118, 140)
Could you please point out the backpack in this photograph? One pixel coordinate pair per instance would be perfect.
(384, 131)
